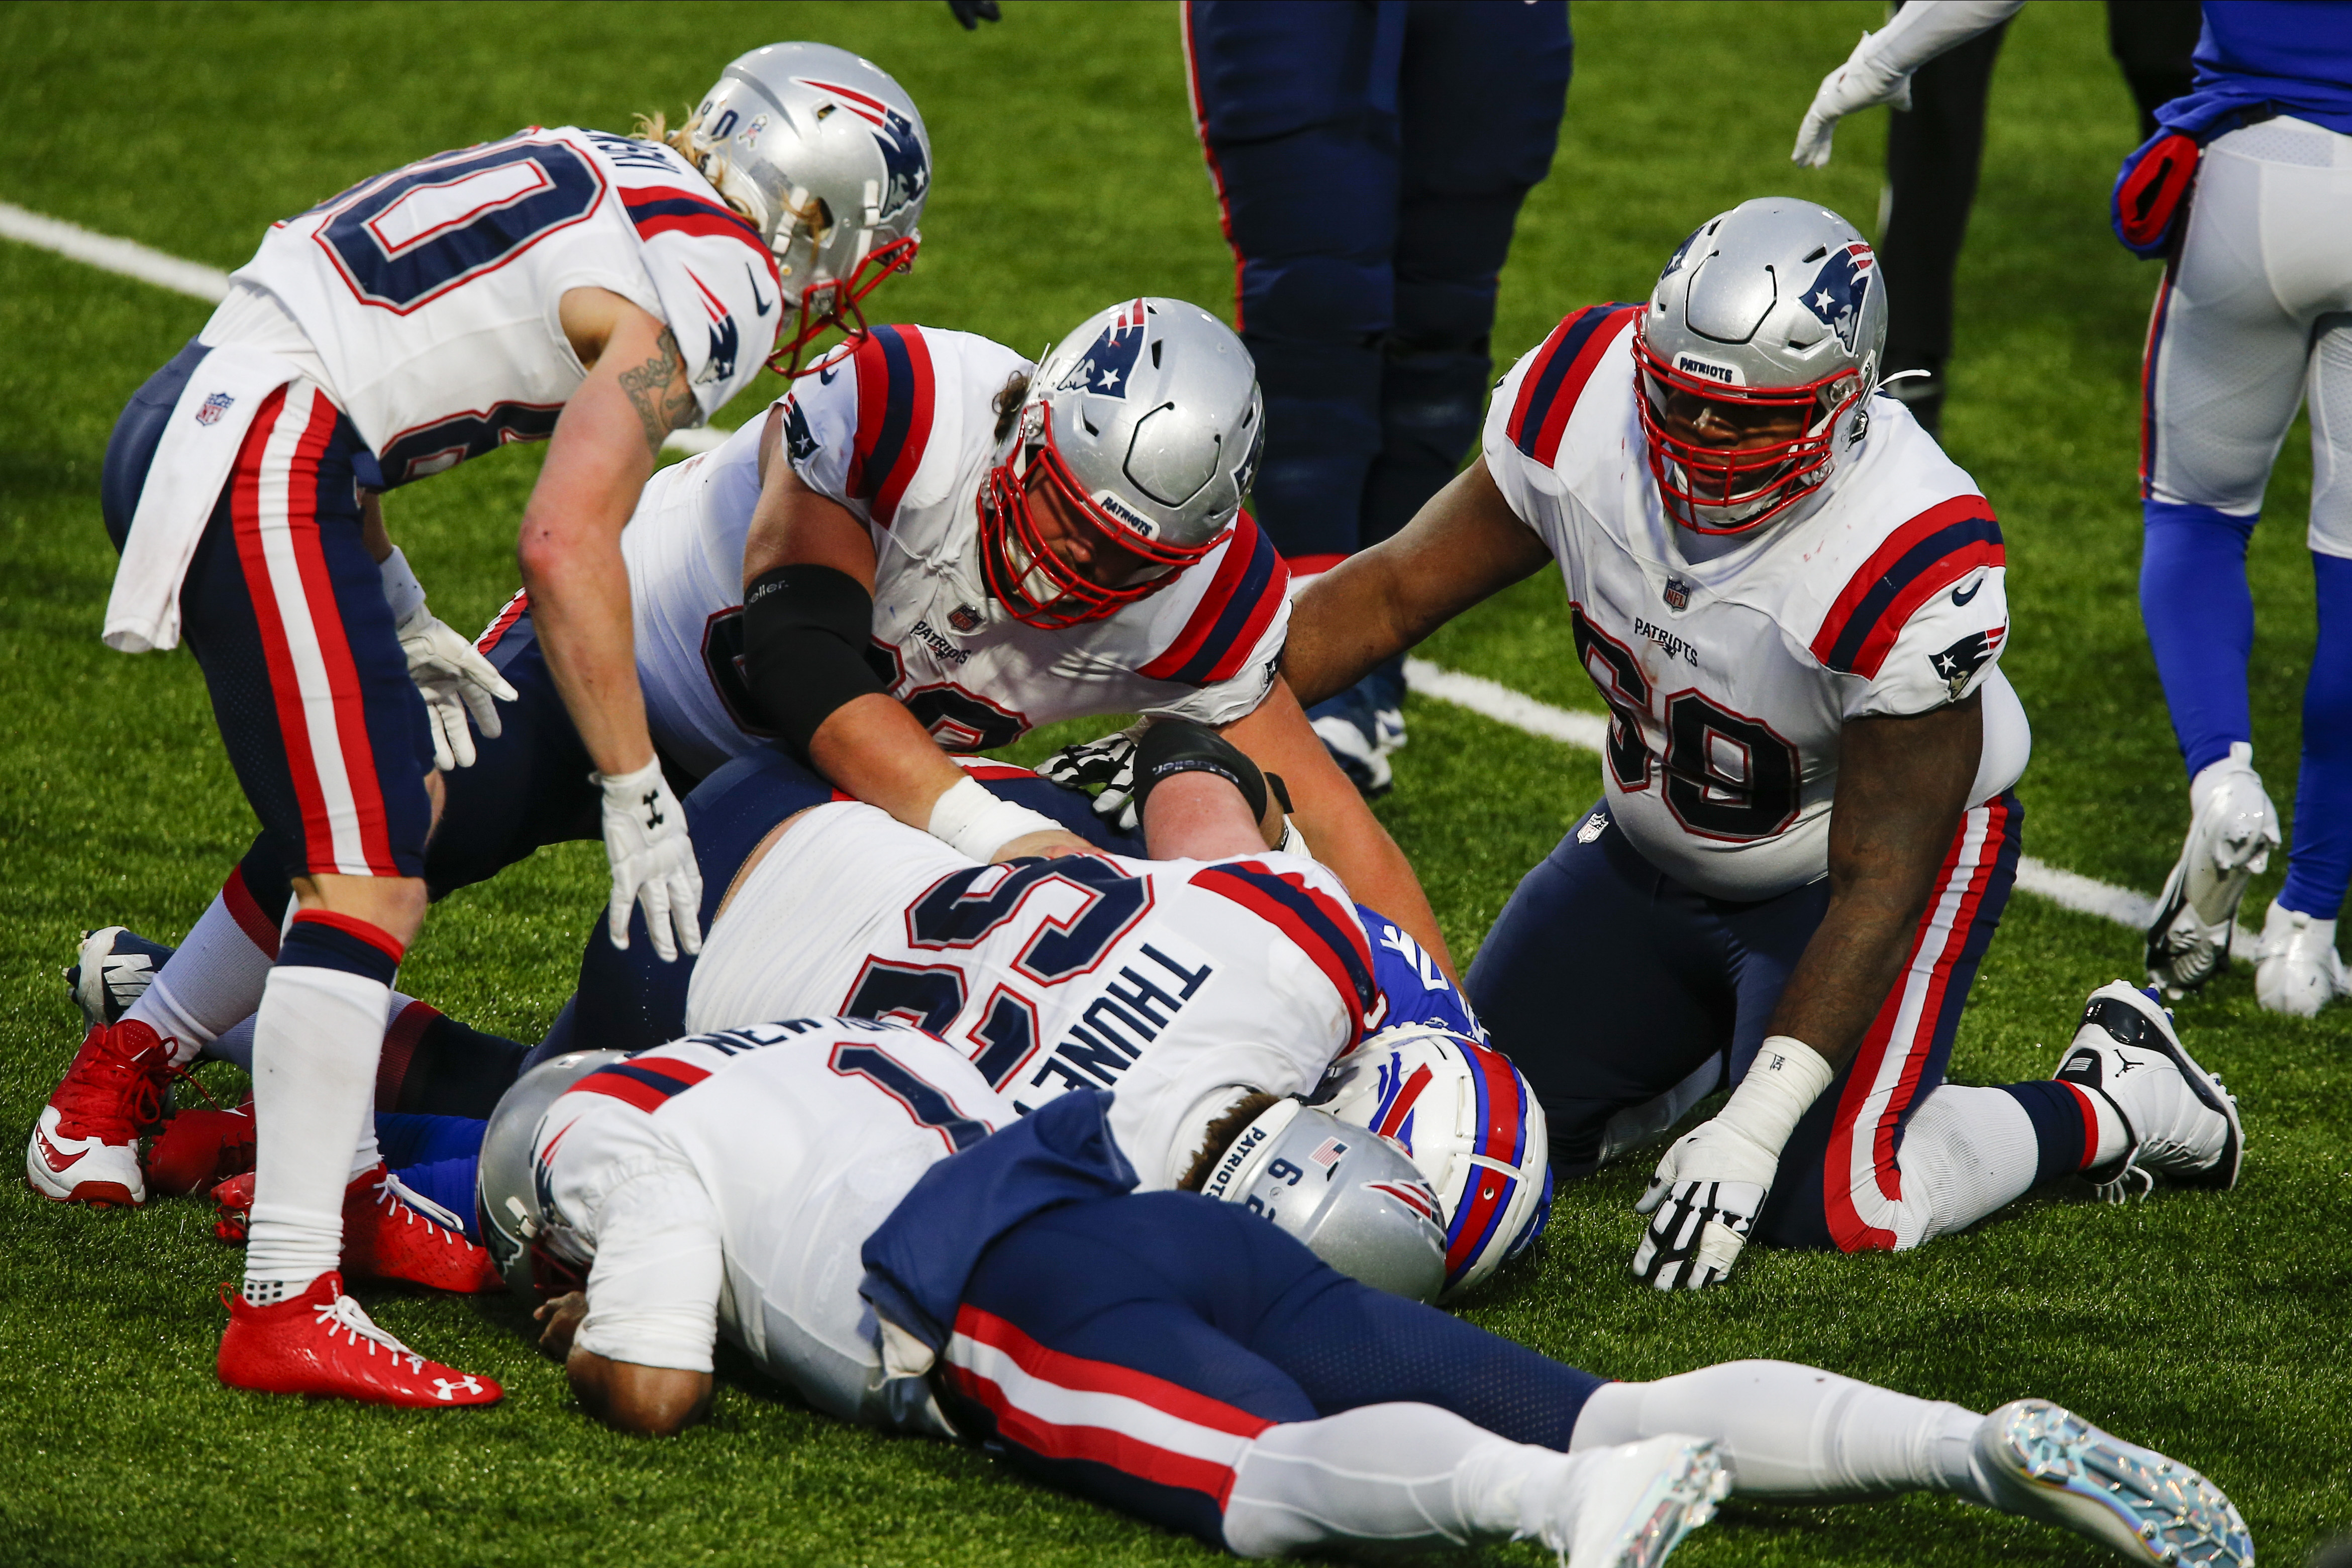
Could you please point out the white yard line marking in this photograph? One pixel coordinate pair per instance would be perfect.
(1487, 698)
(1491, 699)
(128, 258)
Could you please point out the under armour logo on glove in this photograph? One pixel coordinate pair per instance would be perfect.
(1695, 1233)
(652, 804)
(1106, 767)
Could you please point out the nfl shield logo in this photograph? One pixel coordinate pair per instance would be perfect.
(1677, 594)
(964, 617)
(214, 407)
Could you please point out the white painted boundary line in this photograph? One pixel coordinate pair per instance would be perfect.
(127, 258)
(1490, 699)
(1480, 695)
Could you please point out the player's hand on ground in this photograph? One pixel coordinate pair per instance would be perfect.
(563, 1316)
(455, 680)
(1702, 1199)
(1050, 845)
(1106, 766)
(1860, 83)
(652, 858)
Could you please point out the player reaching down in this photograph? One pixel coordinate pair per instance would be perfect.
(853, 1205)
(1793, 603)
(564, 284)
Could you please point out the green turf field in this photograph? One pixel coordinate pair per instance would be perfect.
(2213, 1326)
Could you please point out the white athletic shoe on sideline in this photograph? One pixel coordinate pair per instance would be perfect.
(2180, 1120)
(2232, 829)
(2296, 969)
(1629, 1506)
(2042, 1461)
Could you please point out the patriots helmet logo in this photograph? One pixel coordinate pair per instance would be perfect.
(907, 170)
(1105, 368)
(1836, 294)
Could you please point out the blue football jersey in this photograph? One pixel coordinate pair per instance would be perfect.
(1415, 989)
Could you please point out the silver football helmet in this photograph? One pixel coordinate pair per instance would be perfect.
(1147, 423)
(509, 1208)
(1756, 358)
(1351, 1195)
(830, 157)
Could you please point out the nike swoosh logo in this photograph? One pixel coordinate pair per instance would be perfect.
(824, 377)
(56, 1158)
(764, 305)
(1959, 598)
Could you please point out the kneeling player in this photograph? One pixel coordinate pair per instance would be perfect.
(835, 1196)
(1793, 609)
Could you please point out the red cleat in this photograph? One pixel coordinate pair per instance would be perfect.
(84, 1147)
(320, 1342)
(392, 1233)
(233, 1206)
(199, 1148)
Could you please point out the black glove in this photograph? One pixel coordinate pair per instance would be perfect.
(973, 13)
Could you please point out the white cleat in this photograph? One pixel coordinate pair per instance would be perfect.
(2296, 969)
(2232, 829)
(1629, 1506)
(2040, 1461)
(111, 970)
(2182, 1123)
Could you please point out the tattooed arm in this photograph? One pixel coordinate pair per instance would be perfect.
(601, 456)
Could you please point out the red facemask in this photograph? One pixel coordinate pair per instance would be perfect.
(1767, 479)
(1034, 585)
(838, 302)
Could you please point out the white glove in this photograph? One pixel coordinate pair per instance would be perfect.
(653, 861)
(454, 680)
(1863, 82)
(1107, 763)
(1712, 1182)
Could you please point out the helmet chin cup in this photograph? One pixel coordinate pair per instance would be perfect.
(1022, 571)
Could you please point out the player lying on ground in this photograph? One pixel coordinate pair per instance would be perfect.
(1793, 603)
(588, 289)
(661, 237)
(833, 1197)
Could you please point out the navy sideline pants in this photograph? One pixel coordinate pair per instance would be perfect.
(1207, 1324)
(284, 610)
(1610, 984)
(1369, 157)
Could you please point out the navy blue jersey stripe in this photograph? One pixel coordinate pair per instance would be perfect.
(1555, 372)
(1233, 617)
(651, 1078)
(897, 411)
(1312, 915)
(1919, 558)
(644, 210)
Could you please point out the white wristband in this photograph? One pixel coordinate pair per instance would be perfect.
(620, 786)
(401, 589)
(1786, 1078)
(973, 821)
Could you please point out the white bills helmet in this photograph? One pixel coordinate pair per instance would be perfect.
(1473, 1128)
(1755, 358)
(1147, 423)
(829, 156)
(1354, 1199)
(508, 1206)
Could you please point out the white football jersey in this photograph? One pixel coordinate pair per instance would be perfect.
(773, 1152)
(1731, 665)
(900, 431)
(426, 301)
(1164, 981)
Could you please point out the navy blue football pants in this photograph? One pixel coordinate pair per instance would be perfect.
(1611, 985)
(1370, 159)
(284, 610)
(1210, 1325)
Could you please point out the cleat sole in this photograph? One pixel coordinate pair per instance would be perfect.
(2150, 1508)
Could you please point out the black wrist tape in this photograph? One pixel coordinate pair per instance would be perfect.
(807, 634)
(1173, 745)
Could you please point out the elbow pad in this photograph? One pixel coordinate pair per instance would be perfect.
(807, 648)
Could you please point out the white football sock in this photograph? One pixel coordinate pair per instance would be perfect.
(211, 983)
(1965, 1152)
(1796, 1431)
(1393, 1473)
(315, 1047)
(234, 1043)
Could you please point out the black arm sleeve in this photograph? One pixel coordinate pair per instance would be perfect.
(1173, 745)
(806, 632)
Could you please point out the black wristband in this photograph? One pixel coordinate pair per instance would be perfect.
(806, 634)
(1173, 745)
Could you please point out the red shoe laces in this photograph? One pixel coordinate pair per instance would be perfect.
(113, 1091)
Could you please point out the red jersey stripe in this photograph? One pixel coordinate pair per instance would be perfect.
(1067, 1371)
(1917, 560)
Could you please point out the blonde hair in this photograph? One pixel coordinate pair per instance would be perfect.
(707, 161)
